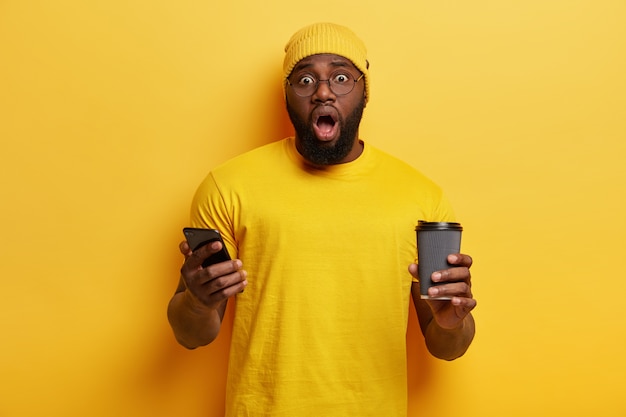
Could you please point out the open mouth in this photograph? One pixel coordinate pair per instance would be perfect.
(325, 125)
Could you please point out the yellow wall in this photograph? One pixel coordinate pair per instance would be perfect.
(111, 112)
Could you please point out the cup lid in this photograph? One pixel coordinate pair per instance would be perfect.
(424, 225)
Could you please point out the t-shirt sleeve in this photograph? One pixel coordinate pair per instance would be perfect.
(210, 209)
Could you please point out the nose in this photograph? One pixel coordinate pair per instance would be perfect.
(323, 92)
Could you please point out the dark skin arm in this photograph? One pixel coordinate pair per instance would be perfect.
(447, 325)
(197, 308)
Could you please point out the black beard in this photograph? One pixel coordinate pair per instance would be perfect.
(318, 152)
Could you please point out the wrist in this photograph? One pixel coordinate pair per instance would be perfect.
(450, 343)
(194, 304)
(459, 327)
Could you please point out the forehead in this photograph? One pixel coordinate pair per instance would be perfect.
(324, 60)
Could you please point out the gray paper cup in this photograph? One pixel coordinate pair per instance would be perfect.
(435, 241)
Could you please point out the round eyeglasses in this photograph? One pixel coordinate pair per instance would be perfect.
(340, 83)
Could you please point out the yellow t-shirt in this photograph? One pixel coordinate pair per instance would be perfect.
(321, 328)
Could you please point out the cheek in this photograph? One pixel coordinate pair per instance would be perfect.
(295, 105)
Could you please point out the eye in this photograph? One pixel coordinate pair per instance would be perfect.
(306, 80)
(341, 78)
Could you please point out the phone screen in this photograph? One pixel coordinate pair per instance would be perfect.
(197, 238)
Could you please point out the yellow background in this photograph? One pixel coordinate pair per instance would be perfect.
(112, 112)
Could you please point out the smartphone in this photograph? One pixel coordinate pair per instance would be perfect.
(198, 238)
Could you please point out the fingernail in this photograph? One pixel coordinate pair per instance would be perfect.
(436, 277)
(433, 291)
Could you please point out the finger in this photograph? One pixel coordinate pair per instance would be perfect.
(223, 282)
(217, 297)
(184, 248)
(460, 259)
(465, 304)
(413, 270)
(216, 271)
(456, 289)
(449, 314)
(198, 281)
(218, 289)
(196, 258)
(230, 291)
(452, 275)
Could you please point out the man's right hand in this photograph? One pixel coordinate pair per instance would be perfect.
(196, 310)
(210, 287)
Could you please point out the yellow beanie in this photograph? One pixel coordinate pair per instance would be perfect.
(326, 38)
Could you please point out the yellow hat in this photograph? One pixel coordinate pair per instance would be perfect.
(326, 38)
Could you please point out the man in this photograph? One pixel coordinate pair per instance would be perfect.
(324, 224)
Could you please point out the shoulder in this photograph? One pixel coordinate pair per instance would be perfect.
(400, 169)
(261, 161)
(258, 156)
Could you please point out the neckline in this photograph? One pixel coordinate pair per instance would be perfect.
(360, 164)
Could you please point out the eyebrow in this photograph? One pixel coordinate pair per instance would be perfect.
(337, 63)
